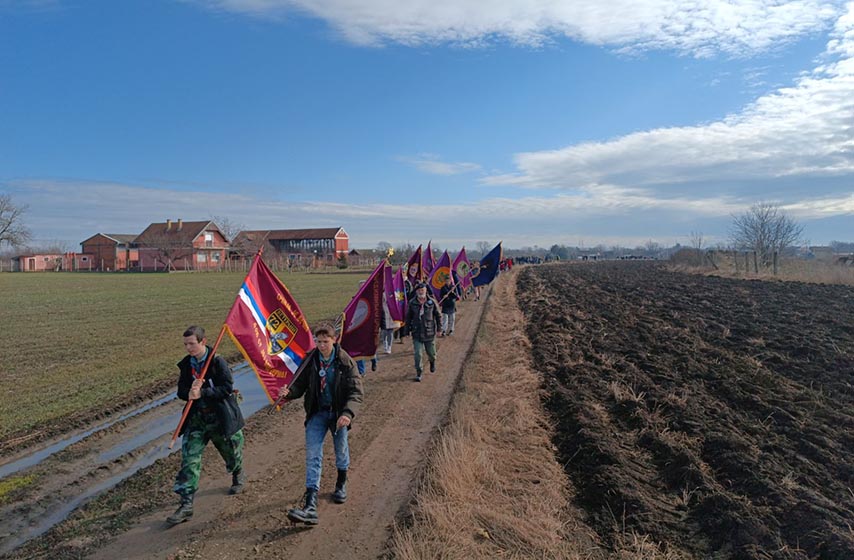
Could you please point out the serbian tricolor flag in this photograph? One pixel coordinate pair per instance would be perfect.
(363, 315)
(462, 268)
(441, 272)
(488, 269)
(427, 262)
(413, 267)
(269, 328)
(395, 295)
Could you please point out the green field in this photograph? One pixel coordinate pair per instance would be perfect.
(72, 342)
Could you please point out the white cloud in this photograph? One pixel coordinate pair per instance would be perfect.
(822, 208)
(73, 211)
(431, 163)
(800, 131)
(698, 27)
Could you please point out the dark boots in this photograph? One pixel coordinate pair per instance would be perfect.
(308, 513)
(340, 494)
(238, 479)
(184, 511)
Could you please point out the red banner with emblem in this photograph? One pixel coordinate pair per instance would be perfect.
(269, 328)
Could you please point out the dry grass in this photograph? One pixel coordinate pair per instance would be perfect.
(493, 487)
(791, 270)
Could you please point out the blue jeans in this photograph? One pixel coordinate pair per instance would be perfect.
(360, 365)
(448, 320)
(429, 346)
(315, 433)
(387, 337)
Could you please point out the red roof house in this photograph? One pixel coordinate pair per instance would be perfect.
(181, 245)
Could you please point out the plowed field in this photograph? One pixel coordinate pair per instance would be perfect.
(713, 416)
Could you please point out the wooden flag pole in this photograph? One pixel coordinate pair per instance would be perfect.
(201, 376)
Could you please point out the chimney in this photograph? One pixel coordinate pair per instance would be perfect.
(168, 225)
(180, 224)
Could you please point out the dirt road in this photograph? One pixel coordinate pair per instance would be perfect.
(387, 443)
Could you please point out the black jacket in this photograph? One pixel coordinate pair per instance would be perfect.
(422, 326)
(346, 391)
(218, 387)
(448, 296)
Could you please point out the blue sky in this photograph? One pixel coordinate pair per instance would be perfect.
(527, 121)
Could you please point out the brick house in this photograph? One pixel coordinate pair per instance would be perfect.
(53, 262)
(317, 245)
(112, 251)
(181, 245)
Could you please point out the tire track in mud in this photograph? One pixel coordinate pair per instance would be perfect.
(713, 415)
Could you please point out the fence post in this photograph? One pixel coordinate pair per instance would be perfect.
(775, 263)
(755, 263)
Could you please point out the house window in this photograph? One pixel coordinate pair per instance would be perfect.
(202, 258)
(215, 257)
(84, 259)
(46, 259)
(208, 239)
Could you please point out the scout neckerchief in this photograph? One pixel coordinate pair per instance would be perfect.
(324, 366)
(199, 365)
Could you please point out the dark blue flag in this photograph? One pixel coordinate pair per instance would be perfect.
(488, 269)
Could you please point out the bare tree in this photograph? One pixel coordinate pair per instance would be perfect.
(170, 249)
(12, 230)
(402, 253)
(483, 247)
(228, 227)
(697, 242)
(383, 248)
(652, 247)
(765, 229)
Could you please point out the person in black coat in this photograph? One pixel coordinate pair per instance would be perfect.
(422, 322)
(214, 416)
(448, 297)
(332, 394)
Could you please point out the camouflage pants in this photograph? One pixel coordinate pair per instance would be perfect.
(201, 429)
(418, 346)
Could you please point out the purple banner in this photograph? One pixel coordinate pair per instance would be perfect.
(441, 272)
(363, 316)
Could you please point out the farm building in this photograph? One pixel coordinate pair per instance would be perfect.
(322, 245)
(53, 262)
(181, 245)
(112, 251)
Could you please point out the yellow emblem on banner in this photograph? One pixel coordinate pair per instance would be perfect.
(439, 277)
(281, 330)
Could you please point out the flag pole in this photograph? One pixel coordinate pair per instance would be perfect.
(201, 376)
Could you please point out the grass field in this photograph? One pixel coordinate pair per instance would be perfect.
(74, 342)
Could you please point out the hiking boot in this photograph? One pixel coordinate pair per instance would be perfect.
(340, 494)
(184, 511)
(418, 377)
(308, 513)
(238, 479)
(432, 367)
(373, 365)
